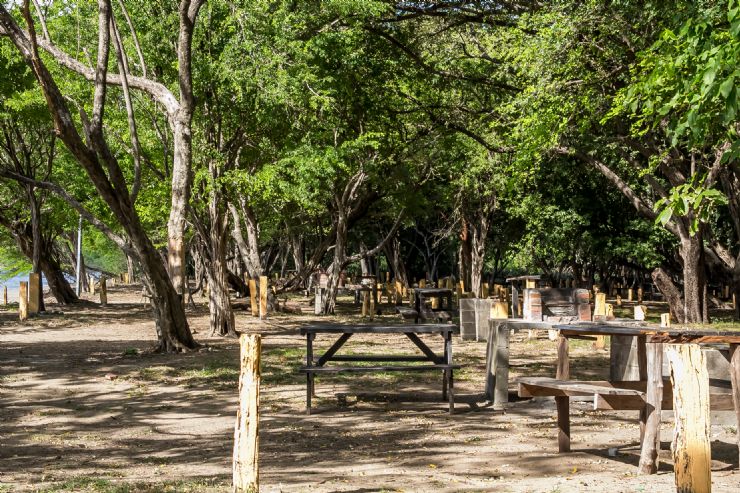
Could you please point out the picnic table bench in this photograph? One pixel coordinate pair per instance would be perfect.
(317, 365)
(650, 395)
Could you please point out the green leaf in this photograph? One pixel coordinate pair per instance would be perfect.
(726, 87)
(664, 216)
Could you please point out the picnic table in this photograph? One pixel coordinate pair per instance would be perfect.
(434, 362)
(442, 312)
(647, 395)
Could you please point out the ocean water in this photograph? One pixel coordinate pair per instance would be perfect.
(13, 285)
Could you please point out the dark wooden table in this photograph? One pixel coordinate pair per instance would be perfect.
(422, 295)
(434, 361)
(650, 345)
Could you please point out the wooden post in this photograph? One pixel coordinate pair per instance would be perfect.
(665, 319)
(103, 292)
(531, 284)
(499, 310)
(372, 303)
(23, 301)
(484, 290)
(639, 294)
(253, 298)
(630, 294)
(399, 293)
(422, 283)
(563, 402)
(653, 407)
(600, 307)
(365, 303)
(609, 311)
(735, 379)
(34, 292)
(5, 295)
(246, 431)
(640, 312)
(691, 453)
(619, 300)
(263, 296)
(126, 280)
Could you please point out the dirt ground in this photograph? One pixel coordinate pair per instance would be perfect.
(86, 406)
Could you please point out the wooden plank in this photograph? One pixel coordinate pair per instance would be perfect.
(246, 430)
(717, 402)
(253, 298)
(379, 329)
(374, 357)
(34, 292)
(691, 450)
(651, 442)
(533, 387)
(734, 355)
(360, 369)
(563, 402)
(263, 297)
(23, 301)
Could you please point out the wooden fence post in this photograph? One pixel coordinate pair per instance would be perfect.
(253, 298)
(246, 430)
(103, 292)
(23, 301)
(34, 292)
(691, 454)
(263, 296)
(5, 295)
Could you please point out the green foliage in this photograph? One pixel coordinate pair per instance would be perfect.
(692, 199)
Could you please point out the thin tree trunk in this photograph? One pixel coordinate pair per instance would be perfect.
(692, 255)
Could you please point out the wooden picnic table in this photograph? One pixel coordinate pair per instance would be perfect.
(434, 362)
(650, 347)
(422, 295)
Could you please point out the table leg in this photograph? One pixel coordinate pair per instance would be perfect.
(651, 442)
(501, 358)
(309, 375)
(445, 376)
(448, 361)
(642, 369)
(735, 378)
(563, 402)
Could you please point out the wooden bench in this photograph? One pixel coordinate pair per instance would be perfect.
(617, 396)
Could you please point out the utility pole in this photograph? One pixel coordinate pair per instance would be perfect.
(79, 256)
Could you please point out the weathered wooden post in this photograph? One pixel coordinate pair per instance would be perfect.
(600, 307)
(263, 296)
(690, 446)
(5, 295)
(640, 312)
(246, 430)
(639, 294)
(23, 301)
(34, 292)
(399, 293)
(91, 284)
(422, 283)
(653, 409)
(665, 319)
(562, 372)
(253, 298)
(365, 303)
(619, 300)
(103, 292)
(735, 380)
(484, 290)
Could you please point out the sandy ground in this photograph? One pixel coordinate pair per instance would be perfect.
(86, 406)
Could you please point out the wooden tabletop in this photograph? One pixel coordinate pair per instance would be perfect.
(432, 291)
(654, 334)
(378, 329)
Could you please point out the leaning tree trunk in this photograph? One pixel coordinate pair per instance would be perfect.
(672, 294)
(335, 269)
(58, 284)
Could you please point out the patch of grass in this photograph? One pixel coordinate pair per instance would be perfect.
(132, 351)
(86, 484)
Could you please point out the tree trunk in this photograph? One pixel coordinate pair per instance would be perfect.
(466, 254)
(672, 294)
(36, 243)
(335, 269)
(477, 254)
(692, 255)
(130, 271)
(393, 254)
